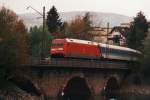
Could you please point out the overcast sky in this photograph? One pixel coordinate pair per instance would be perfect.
(125, 7)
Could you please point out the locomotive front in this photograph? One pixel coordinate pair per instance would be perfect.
(58, 48)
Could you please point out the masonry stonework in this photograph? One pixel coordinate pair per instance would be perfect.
(52, 82)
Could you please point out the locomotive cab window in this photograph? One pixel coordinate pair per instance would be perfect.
(57, 44)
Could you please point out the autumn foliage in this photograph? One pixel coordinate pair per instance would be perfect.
(77, 28)
(13, 43)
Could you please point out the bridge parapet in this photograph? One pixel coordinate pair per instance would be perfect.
(84, 63)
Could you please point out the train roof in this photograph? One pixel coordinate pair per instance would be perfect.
(119, 48)
(81, 41)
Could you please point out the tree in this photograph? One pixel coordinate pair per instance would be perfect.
(76, 25)
(80, 27)
(87, 22)
(137, 32)
(35, 38)
(146, 56)
(13, 35)
(53, 21)
(21, 42)
(36, 41)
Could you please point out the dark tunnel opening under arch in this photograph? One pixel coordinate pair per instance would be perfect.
(76, 89)
(111, 88)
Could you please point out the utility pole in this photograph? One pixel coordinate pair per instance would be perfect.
(43, 19)
(43, 36)
(107, 43)
(107, 31)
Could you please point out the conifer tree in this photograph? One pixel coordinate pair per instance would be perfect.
(137, 32)
(53, 21)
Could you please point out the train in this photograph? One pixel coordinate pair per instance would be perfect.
(83, 49)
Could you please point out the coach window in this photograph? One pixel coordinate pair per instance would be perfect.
(114, 51)
(102, 49)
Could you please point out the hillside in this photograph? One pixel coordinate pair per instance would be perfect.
(98, 18)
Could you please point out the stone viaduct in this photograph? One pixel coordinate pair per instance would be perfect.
(55, 83)
(76, 80)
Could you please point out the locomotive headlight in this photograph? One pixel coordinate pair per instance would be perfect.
(55, 49)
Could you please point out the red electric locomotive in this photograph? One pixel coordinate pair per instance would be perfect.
(74, 48)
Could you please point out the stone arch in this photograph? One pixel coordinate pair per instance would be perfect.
(111, 87)
(76, 89)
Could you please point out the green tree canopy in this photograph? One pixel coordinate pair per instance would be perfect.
(36, 41)
(35, 38)
(146, 56)
(137, 32)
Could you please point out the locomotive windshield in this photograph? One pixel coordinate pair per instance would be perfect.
(57, 44)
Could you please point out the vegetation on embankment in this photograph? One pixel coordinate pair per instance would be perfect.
(138, 37)
(10, 91)
(135, 84)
